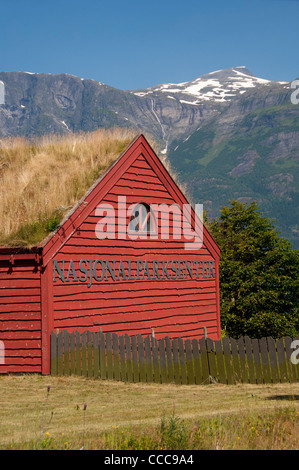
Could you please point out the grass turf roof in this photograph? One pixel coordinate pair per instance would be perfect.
(42, 180)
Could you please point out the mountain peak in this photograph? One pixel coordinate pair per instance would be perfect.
(218, 86)
(242, 69)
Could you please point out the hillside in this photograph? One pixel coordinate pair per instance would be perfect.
(253, 157)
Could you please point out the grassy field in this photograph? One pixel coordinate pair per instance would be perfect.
(72, 412)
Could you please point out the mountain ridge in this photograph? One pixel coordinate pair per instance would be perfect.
(227, 133)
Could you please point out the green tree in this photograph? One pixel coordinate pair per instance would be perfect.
(259, 275)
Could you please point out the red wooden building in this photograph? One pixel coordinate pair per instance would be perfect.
(111, 264)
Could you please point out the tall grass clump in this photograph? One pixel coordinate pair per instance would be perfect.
(274, 430)
(42, 179)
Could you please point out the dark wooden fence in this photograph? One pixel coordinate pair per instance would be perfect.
(138, 359)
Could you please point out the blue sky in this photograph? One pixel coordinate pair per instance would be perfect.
(130, 44)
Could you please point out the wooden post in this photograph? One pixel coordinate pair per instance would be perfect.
(148, 369)
(228, 360)
(155, 360)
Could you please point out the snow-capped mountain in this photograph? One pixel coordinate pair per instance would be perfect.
(227, 133)
(38, 103)
(179, 109)
(218, 86)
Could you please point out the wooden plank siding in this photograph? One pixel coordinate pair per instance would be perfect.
(20, 316)
(172, 307)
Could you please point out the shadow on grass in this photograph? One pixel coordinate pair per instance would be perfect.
(290, 397)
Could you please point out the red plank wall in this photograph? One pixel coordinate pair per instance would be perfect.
(180, 307)
(20, 315)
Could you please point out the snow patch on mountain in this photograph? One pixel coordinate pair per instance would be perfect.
(218, 86)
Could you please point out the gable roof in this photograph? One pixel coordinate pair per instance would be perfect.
(51, 245)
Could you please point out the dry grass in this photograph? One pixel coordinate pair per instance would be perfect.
(40, 180)
(130, 415)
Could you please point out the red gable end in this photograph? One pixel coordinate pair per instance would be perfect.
(123, 280)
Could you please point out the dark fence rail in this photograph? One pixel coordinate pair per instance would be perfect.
(138, 359)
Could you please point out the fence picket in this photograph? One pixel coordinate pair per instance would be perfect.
(83, 347)
(72, 354)
(66, 352)
(189, 362)
(59, 354)
(257, 361)
(89, 354)
(196, 359)
(109, 356)
(143, 368)
(122, 359)
(102, 349)
(169, 359)
(235, 360)
(265, 360)
(135, 359)
(148, 366)
(242, 359)
(273, 359)
(290, 367)
(54, 354)
(220, 361)
(176, 364)
(213, 374)
(204, 361)
(78, 353)
(228, 360)
(96, 355)
(162, 356)
(182, 361)
(250, 360)
(155, 360)
(128, 358)
(115, 350)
